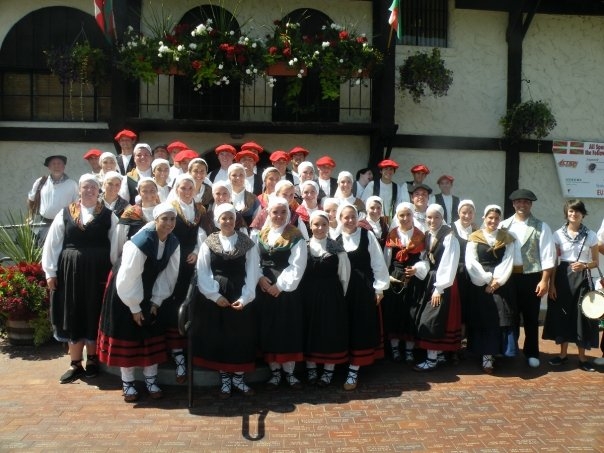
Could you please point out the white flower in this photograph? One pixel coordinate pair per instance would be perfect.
(248, 71)
(176, 57)
(180, 48)
(325, 44)
(130, 29)
(192, 46)
(255, 71)
(231, 33)
(357, 82)
(341, 60)
(323, 27)
(360, 71)
(209, 21)
(301, 72)
(317, 53)
(254, 45)
(220, 66)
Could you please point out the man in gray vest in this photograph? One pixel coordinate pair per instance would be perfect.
(534, 262)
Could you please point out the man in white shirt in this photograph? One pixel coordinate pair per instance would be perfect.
(448, 201)
(386, 189)
(142, 160)
(50, 194)
(534, 261)
(325, 166)
(126, 140)
(226, 156)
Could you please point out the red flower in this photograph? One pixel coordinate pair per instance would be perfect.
(272, 50)
(343, 35)
(287, 52)
(196, 64)
(361, 39)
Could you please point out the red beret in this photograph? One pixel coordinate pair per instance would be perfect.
(227, 148)
(252, 146)
(125, 133)
(447, 177)
(421, 168)
(278, 155)
(93, 153)
(185, 154)
(176, 146)
(326, 161)
(299, 149)
(246, 153)
(387, 163)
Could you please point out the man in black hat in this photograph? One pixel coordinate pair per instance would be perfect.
(50, 194)
(534, 262)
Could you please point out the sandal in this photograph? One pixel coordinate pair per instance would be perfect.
(225, 386)
(351, 379)
(275, 380)
(181, 367)
(487, 363)
(440, 358)
(293, 381)
(74, 372)
(409, 356)
(152, 387)
(396, 354)
(426, 365)
(240, 385)
(325, 378)
(92, 366)
(129, 392)
(313, 376)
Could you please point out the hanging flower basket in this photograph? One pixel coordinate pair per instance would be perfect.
(171, 71)
(283, 69)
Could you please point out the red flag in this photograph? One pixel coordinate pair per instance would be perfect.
(103, 13)
(394, 19)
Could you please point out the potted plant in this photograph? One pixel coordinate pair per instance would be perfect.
(528, 119)
(24, 302)
(79, 63)
(423, 71)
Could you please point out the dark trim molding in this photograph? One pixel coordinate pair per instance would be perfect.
(51, 134)
(468, 143)
(565, 7)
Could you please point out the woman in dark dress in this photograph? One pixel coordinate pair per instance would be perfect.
(131, 330)
(76, 262)
(283, 258)
(438, 319)
(224, 326)
(136, 216)
(491, 309)
(190, 235)
(326, 314)
(404, 245)
(112, 181)
(565, 322)
(368, 280)
(462, 228)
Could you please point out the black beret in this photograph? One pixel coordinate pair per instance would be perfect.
(522, 194)
(58, 156)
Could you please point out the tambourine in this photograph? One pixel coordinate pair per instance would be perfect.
(592, 304)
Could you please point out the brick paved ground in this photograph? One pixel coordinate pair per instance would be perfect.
(455, 408)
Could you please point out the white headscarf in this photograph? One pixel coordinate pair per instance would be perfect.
(112, 175)
(158, 162)
(278, 201)
(162, 208)
(463, 203)
(221, 209)
(491, 207)
(89, 177)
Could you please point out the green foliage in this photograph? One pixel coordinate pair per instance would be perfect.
(79, 62)
(19, 241)
(424, 71)
(530, 118)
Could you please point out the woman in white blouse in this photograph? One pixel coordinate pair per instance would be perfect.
(310, 202)
(565, 322)
(368, 280)
(326, 314)
(344, 192)
(283, 257)
(224, 328)
(330, 206)
(245, 202)
(491, 309)
(439, 317)
(112, 181)
(160, 169)
(190, 234)
(131, 328)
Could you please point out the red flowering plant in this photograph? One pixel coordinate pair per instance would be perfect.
(23, 293)
(286, 44)
(216, 55)
(342, 55)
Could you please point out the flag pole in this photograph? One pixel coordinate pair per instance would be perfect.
(390, 38)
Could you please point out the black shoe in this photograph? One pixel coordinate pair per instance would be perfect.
(92, 366)
(556, 361)
(586, 366)
(75, 372)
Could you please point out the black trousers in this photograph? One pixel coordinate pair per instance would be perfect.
(529, 306)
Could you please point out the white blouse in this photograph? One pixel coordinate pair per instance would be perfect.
(129, 282)
(381, 277)
(205, 277)
(447, 268)
(318, 247)
(569, 251)
(502, 271)
(464, 232)
(56, 235)
(120, 235)
(290, 277)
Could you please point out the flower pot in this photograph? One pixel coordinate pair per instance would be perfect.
(283, 69)
(19, 332)
(171, 71)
